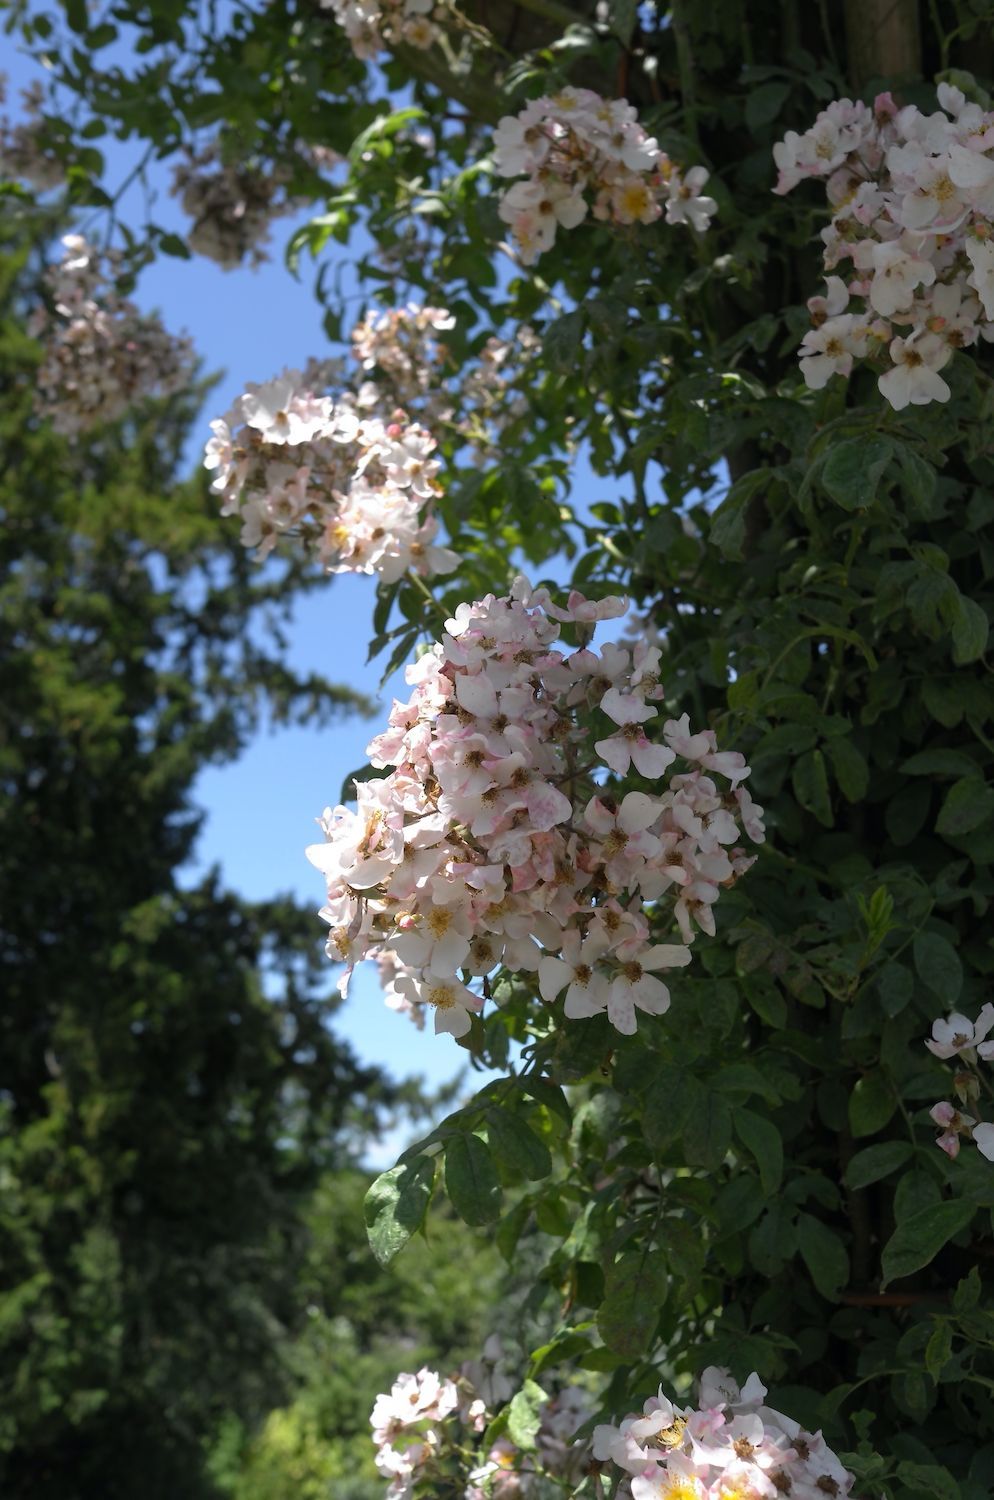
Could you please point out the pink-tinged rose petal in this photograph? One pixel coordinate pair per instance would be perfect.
(638, 812)
(325, 857)
(597, 816)
(626, 708)
(615, 753)
(651, 995)
(477, 694)
(553, 976)
(983, 1136)
(583, 1000)
(455, 1021)
(621, 1011)
(651, 760)
(665, 956)
(547, 806)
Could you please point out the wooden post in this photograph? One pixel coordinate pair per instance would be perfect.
(883, 40)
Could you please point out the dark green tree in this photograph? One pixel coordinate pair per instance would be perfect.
(169, 1086)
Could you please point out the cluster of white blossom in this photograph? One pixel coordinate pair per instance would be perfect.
(910, 243)
(26, 149)
(400, 346)
(579, 152)
(101, 354)
(423, 1426)
(358, 486)
(233, 203)
(962, 1039)
(728, 1447)
(372, 25)
(493, 841)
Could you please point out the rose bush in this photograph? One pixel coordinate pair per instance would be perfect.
(743, 1176)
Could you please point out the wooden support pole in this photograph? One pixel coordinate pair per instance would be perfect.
(883, 40)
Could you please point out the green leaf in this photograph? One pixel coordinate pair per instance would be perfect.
(76, 15)
(916, 1190)
(763, 104)
(871, 1104)
(824, 1255)
(917, 1240)
(768, 1003)
(545, 1092)
(763, 1139)
(875, 1162)
(970, 631)
(774, 1239)
(810, 783)
(917, 480)
(728, 521)
(895, 986)
(516, 1145)
(852, 471)
(707, 1133)
(939, 967)
(624, 14)
(928, 1480)
(471, 1180)
(524, 1415)
(634, 1293)
(563, 340)
(381, 129)
(396, 1204)
(968, 804)
(939, 1349)
(941, 762)
(967, 1293)
(851, 771)
(672, 1097)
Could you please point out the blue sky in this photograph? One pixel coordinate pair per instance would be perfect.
(261, 810)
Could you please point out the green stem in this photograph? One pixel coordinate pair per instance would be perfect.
(686, 69)
(423, 588)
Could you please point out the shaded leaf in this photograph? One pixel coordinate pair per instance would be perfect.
(917, 1240)
(396, 1204)
(471, 1179)
(875, 1162)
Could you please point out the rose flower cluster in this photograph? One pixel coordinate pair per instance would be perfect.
(372, 25)
(26, 149)
(910, 244)
(577, 151)
(101, 354)
(233, 203)
(962, 1039)
(729, 1447)
(493, 840)
(399, 346)
(424, 1425)
(356, 485)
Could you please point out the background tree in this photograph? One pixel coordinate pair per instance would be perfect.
(171, 1089)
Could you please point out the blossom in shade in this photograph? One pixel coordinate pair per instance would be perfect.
(956, 1033)
(729, 1444)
